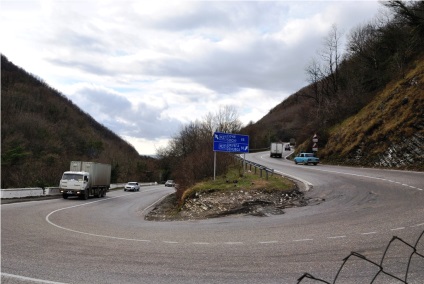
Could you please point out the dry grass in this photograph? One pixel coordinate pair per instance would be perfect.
(235, 179)
(395, 113)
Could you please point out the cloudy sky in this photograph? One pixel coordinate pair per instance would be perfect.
(145, 68)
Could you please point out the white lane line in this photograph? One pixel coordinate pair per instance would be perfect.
(397, 229)
(303, 240)
(85, 233)
(201, 243)
(29, 279)
(170, 242)
(369, 233)
(307, 184)
(269, 242)
(365, 176)
(154, 203)
(336, 237)
(418, 225)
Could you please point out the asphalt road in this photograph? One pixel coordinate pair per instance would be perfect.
(106, 240)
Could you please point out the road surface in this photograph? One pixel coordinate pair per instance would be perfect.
(106, 240)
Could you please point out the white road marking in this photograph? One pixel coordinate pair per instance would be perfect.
(365, 176)
(369, 233)
(269, 242)
(397, 229)
(303, 240)
(29, 279)
(336, 237)
(170, 242)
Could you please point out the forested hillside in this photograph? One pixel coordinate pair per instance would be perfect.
(366, 103)
(42, 131)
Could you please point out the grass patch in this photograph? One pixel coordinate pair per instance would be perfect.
(236, 180)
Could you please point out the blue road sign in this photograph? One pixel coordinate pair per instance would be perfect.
(227, 142)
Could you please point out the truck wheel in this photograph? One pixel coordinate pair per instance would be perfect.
(104, 192)
(295, 162)
(85, 196)
(65, 196)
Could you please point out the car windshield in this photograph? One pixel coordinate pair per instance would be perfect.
(132, 183)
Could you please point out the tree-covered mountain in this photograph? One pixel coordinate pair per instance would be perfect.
(42, 131)
(367, 106)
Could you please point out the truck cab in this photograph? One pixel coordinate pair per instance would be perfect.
(74, 183)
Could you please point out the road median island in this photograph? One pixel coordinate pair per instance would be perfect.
(246, 194)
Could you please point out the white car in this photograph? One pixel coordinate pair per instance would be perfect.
(170, 183)
(132, 185)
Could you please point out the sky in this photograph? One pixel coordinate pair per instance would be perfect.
(144, 69)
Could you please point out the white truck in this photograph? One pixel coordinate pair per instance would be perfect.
(276, 149)
(85, 179)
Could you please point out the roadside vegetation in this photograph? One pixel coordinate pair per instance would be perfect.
(237, 179)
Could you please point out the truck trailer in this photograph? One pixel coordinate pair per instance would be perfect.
(276, 149)
(85, 179)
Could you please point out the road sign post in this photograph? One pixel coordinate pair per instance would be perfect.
(228, 142)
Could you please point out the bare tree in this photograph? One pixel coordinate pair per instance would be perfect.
(331, 55)
(189, 155)
(227, 120)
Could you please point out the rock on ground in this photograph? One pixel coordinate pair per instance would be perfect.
(215, 204)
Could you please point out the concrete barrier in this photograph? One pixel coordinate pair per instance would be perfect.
(38, 191)
(121, 185)
(52, 191)
(22, 192)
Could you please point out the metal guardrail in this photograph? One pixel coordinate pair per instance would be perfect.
(256, 167)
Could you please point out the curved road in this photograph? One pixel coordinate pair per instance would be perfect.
(107, 240)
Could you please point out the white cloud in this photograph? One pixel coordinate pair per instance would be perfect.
(142, 68)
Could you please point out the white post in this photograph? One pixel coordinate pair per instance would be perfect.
(214, 165)
(244, 162)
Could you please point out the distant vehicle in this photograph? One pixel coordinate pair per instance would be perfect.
(170, 183)
(276, 149)
(85, 179)
(306, 158)
(287, 147)
(133, 186)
